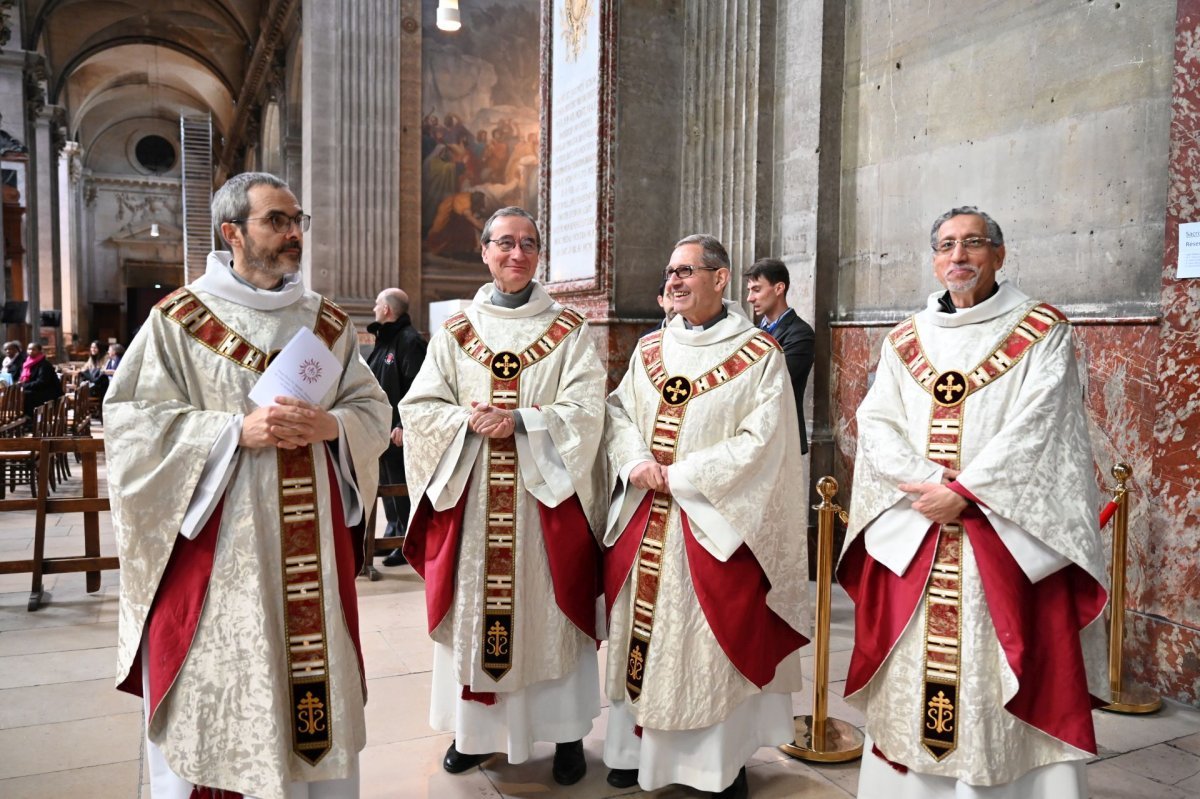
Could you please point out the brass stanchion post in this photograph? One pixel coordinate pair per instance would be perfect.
(821, 739)
(1129, 699)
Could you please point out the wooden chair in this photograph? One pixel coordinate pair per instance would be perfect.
(12, 411)
(90, 504)
(370, 542)
(80, 424)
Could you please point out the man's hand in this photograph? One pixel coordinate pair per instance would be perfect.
(936, 502)
(490, 421)
(650, 476)
(291, 424)
(398, 436)
(949, 475)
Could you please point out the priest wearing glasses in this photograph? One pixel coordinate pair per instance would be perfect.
(973, 555)
(706, 575)
(503, 430)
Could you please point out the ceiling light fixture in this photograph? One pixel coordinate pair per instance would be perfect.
(448, 18)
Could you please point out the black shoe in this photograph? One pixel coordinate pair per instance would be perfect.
(569, 765)
(456, 762)
(395, 558)
(738, 789)
(623, 777)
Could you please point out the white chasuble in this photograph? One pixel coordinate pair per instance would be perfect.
(225, 721)
(546, 368)
(1020, 439)
(733, 447)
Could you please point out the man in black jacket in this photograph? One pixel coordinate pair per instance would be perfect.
(766, 288)
(397, 357)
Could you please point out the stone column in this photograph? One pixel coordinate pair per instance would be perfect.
(351, 157)
(727, 112)
(69, 174)
(807, 194)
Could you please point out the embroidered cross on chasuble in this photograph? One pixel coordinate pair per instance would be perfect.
(943, 602)
(506, 369)
(300, 536)
(675, 392)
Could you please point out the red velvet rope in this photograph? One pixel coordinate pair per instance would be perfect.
(1108, 512)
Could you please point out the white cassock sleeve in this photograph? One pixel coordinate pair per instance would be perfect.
(542, 469)
(218, 468)
(708, 526)
(454, 469)
(624, 502)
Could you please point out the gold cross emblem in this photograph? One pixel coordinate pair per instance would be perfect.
(310, 713)
(950, 388)
(497, 637)
(941, 714)
(677, 390)
(505, 365)
(635, 664)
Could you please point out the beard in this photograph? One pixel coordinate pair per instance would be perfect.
(272, 262)
(966, 284)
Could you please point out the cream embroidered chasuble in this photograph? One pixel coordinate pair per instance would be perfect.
(735, 450)
(225, 720)
(1022, 444)
(559, 391)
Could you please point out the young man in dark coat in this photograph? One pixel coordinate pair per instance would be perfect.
(766, 288)
(397, 357)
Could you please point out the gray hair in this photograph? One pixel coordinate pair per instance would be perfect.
(993, 229)
(511, 210)
(16, 344)
(232, 200)
(712, 250)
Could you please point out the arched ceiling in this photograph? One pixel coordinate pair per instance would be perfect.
(112, 60)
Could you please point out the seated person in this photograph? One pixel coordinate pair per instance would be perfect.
(41, 382)
(14, 358)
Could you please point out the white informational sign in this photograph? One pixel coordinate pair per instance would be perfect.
(304, 369)
(1189, 250)
(574, 140)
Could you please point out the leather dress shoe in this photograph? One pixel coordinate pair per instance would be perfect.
(395, 558)
(456, 762)
(623, 777)
(738, 789)
(569, 764)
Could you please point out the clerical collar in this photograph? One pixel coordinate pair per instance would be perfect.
(721, 314)
(514, 300)
(946, 304)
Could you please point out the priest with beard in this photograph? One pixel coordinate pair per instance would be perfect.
(973, 553)
(706, 578)
(239, 526)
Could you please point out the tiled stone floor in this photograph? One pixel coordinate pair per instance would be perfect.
(66, 732)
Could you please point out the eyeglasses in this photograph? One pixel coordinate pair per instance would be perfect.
(685, 271)
(281, 222)
(972, 243)
(507, 243)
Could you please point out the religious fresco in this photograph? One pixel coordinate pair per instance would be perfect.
(479, 129)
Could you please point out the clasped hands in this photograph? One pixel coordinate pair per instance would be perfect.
(290, 424)
(490, 421)
(651, 476)
(936, 502)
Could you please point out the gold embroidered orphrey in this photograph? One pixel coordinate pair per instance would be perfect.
(943, 600)
(575, 15)
(300, 534)
(506, 369)
(674, 395)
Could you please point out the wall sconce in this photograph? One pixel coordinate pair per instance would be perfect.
(447, 15)
(154, 230)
